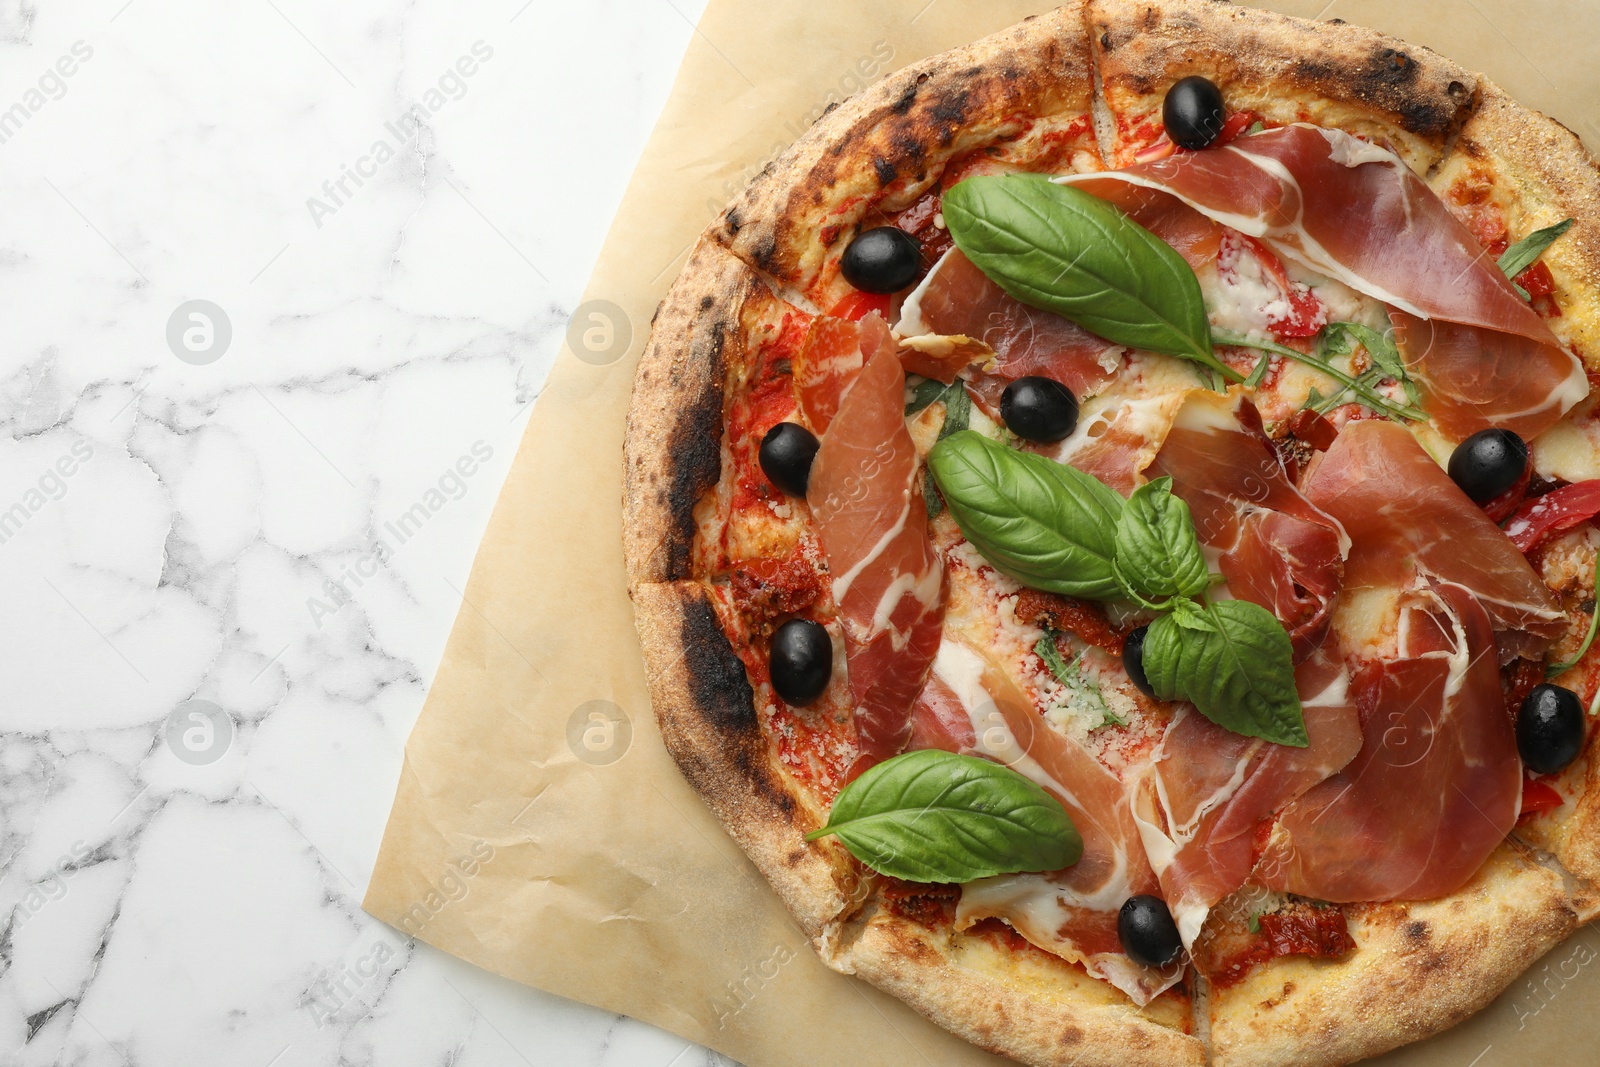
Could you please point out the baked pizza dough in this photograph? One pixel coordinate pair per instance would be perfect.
(1077, 90)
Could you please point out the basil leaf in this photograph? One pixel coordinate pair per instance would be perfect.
(1058, 248)
(1084, 692)
(1037, 521)
(1158, 554)
(1233, 661)
(1522, 255)
(935, 816)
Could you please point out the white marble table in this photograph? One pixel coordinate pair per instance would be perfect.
(387, 211)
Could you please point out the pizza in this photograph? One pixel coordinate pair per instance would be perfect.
(1109, 515)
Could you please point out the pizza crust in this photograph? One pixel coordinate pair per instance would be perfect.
(890, 143)
(672, 452)
(1047, 1014)
(1418, 968)
(1286, 69)
(706, 711)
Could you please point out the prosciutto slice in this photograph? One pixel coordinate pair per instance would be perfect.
(887, 579)
(1437, 784)
(829, 360)
(1207, 790)
(957, 299)
(1352, 211)
(970, 706)
(1276, 548)
(1409, 523)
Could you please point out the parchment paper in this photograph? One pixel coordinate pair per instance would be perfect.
(539, 829)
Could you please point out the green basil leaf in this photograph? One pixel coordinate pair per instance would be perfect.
(1085, 693)
(1238, 670)
(1158, 553)
(1037, 521)
(1055, 247)
(1522, 255)
(935, 816)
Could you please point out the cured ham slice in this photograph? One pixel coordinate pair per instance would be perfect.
(1276, 548)
(887, 579)
(1437, 784)
(1355, 212)
(1408, 522)
(1207, 790)
(829, 360)
(956, 298)
(1471, 378)
(1072, 913)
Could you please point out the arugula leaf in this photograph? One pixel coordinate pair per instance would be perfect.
(924, 393)
(930, 497)
(957, 409)
(1233, 661)
(1341, 338)
(1058, 248)
(1369, 396)
(1158, 552)
(1588, 638)
(1037, 521)
(935, 816)
(1522, 255)
(1082, 689)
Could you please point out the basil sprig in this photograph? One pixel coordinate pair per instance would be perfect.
(1522, 255)
(1233, 661)
(1056, 528)
(935, 816)
(1041, 523)
(1058, 248)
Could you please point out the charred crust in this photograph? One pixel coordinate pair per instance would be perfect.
(717, 681)
(695, 448)
(886, 170)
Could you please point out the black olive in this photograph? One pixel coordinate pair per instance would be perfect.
(884, 260)
(1147, 932)
(1193, 113)
(1133, 661)
(1039, 409)
(802, 661)
(1550, 728)
(1488, 463)
(786, 455)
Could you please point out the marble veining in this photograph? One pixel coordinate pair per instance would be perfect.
(279, 282)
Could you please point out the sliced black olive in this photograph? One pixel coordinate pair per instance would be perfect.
(1133, 661)
(1488, 463)
(1147, 932)
(802, 661)
(884, 260)
(786, 455)
(1550, 728)
(1039, 409)
(1193, 112)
